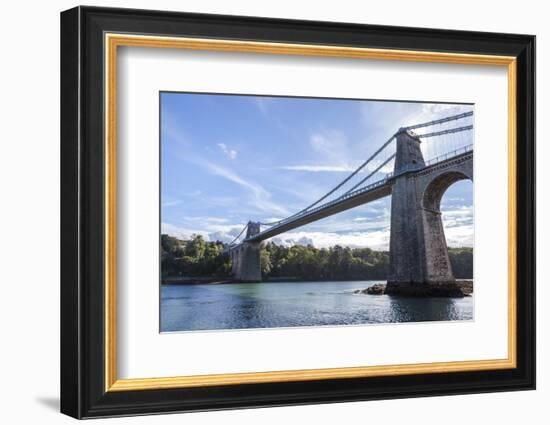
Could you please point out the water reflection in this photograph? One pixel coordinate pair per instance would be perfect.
(288, 304)
(419, 309)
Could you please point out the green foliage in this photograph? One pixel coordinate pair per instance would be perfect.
(198, 258)
(265, 262)
(462, 262)
(194, 257)
(334, 263)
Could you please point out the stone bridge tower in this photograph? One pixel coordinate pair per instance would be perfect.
(245, 258)
(419, 260)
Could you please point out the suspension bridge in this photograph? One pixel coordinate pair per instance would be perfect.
(419, 261)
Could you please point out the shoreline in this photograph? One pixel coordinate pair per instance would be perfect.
(458, 289)
(226, 281)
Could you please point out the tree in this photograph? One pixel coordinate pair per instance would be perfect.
(197, 257)
(265, 261)
(195, 247)
(462, 262)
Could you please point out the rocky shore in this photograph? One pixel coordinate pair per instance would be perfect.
(458, 289)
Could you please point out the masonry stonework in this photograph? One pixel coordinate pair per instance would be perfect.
(419, 260)
(245, 259)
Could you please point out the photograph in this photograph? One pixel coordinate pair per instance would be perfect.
(282, 212)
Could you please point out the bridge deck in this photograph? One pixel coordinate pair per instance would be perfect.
(361, 196)
(381, 190)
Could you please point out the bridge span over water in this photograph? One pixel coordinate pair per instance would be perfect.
(419, 260)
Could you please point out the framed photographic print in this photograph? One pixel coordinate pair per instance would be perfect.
(261, 212)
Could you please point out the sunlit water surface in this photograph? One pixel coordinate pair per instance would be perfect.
(287, 304)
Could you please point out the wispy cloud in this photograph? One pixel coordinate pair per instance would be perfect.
(180, 232)
(331, 154)
(262, 103)
(458, 223)
(227, 174)
(318, 168)
(458, 217)
(170, 201)
(209, 232)
(460, 236)
(172, 131)
(229, 153)
(261, 197)
(431, 110)
(208, 219)
(173, 203)
(330, 144)
(378, 240)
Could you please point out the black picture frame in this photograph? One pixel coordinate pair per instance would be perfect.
(83, 392)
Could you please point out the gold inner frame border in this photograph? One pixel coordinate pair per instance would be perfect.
(113, 40)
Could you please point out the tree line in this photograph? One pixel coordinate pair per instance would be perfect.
(198, 258)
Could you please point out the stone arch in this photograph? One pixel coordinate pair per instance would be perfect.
(437, 264)
(434, 191)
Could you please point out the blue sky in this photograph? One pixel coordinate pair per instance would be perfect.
(228, 159)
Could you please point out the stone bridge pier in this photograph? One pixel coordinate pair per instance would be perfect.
(245, 258)
(419, 260)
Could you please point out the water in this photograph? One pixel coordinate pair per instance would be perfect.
(288, 304)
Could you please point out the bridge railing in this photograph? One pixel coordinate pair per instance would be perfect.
(333, 202)
(435, 160)
(449, 155)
